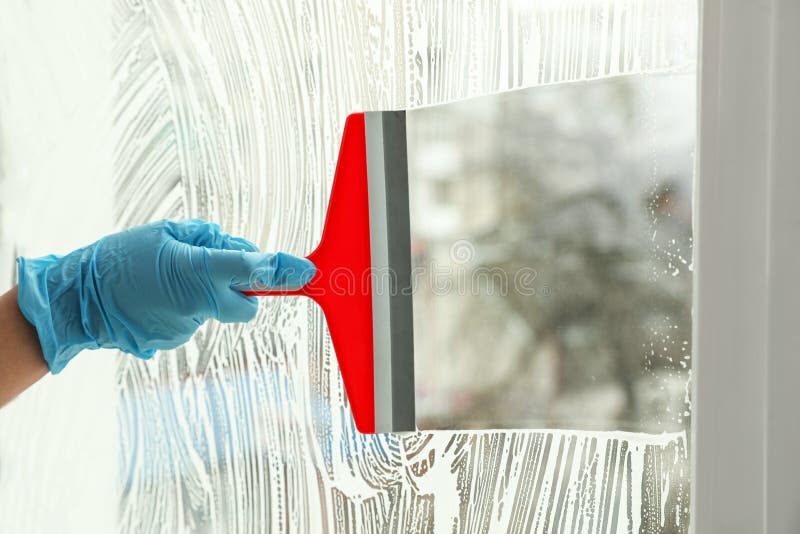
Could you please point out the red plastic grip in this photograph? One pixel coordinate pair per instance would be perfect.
(342, 285)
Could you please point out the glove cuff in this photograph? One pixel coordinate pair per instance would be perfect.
(49, 297)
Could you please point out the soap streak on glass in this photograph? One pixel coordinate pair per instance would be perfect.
(234, 113)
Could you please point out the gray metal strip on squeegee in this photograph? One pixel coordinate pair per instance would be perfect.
(390, 249)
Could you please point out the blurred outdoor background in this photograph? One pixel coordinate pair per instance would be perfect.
(551, 236)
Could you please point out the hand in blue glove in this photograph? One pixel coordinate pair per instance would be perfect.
(147, 288)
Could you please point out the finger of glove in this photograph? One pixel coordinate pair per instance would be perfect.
(235, 307)
(202, 233)
(254, 270)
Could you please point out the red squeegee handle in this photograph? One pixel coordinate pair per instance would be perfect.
(342, 284)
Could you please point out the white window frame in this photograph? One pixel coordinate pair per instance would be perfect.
(746, 395)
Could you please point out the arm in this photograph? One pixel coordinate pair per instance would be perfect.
(21, 361)
(142, 290)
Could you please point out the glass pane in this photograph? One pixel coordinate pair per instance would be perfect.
(235, 114)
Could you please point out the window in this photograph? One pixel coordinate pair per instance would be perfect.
(234, 114)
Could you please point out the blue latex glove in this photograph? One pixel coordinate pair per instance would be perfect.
(147, 288)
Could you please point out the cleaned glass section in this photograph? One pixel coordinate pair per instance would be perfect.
(552, 243)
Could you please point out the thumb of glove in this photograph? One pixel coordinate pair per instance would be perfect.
(232, 271)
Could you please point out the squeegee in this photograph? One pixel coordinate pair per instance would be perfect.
(365, 235)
